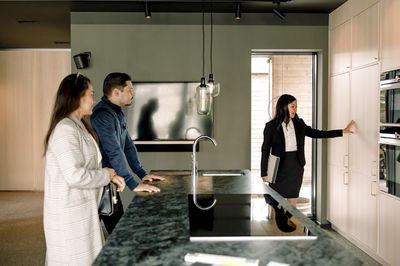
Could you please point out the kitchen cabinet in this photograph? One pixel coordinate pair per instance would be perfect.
(365, 37)
(338, 113)
(364, 106)
(370, 217)
(390, 35)
(28, 86)
(354, 94)
(16, 129)
(352, 160)
(340, 47)
(389, 230)
(363, 155)
(167, 240)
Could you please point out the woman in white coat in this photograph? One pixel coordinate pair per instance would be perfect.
(73, 178)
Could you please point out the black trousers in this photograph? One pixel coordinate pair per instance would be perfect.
(111, 221)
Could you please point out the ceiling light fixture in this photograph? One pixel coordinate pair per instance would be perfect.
(238, 12)
(27, 21)
(203, 95)
(277, 12)
(147, 13)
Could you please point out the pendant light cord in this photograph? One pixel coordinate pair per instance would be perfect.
(211, 44)
(203, 38)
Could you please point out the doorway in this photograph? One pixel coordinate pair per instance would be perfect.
(274, 74)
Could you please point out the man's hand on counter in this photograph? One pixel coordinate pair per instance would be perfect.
(146, 188)
(151, 178)
(265, 179)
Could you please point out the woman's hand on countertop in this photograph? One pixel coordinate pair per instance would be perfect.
(265, 179)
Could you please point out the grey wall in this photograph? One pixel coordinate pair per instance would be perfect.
(172, 52)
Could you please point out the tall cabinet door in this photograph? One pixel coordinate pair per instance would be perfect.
(389, 230)
(16, 143)
(363, 153)
(365, 37)
(338, 115)
(340, 44)
(390, 34)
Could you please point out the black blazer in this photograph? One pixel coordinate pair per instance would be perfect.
(274, 141)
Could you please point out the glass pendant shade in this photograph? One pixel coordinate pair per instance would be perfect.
(213, 86)
(203, 98)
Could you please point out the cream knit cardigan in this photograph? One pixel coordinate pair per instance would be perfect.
(74, 180)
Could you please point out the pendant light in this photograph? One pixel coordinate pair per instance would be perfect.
(147, 13)
(213, 86)
(203, 95)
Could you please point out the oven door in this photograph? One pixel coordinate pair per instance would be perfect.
(389, 166)
(390, 103)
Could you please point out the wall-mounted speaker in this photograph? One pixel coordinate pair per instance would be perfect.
(82, 60)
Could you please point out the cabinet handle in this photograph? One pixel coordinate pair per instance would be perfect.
(345, 178)
(346, 161)
(373, 188)
(373, 168)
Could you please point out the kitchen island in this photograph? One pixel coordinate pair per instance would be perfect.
(155, 229)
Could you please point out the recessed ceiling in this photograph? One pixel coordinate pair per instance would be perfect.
(46, 24)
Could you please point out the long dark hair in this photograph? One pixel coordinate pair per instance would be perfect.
(70, 91)
(282, 111)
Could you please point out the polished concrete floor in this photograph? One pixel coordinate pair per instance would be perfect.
(22, 237)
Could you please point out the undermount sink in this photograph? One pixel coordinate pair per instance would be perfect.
(222, 173)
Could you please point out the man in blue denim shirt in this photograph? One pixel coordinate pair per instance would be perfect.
(116, 146)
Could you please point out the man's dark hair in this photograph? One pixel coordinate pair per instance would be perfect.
(115, 80)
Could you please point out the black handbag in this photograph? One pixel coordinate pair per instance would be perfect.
(108, 200)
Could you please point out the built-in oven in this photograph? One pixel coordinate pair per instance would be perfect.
(390, 104)
(389, 166)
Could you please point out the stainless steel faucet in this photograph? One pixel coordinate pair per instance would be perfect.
(195, 174)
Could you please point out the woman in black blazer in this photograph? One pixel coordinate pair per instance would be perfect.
(284, 137)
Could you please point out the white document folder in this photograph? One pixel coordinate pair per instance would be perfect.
(273, 163)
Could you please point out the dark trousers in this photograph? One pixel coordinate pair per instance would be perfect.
(111, 221)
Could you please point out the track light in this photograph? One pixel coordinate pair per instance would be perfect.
(147, 13)
(238, 12)
(279, 14)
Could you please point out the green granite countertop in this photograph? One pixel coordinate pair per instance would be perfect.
(155, 229)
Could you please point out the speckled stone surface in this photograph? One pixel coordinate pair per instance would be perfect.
(155, 230)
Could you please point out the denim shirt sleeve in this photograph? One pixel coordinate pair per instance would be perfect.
(133, 157)
(104, 125)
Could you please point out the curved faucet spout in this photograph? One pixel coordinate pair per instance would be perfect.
(195, 174)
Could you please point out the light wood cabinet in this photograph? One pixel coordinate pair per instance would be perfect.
(365, 37)
(390, 35)
(340, 48)
(352, 160)
(354, 94)
(338, 113)
(16, 121)
(389, 230)
(363, 152)
(28, 82)
(364, 106)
